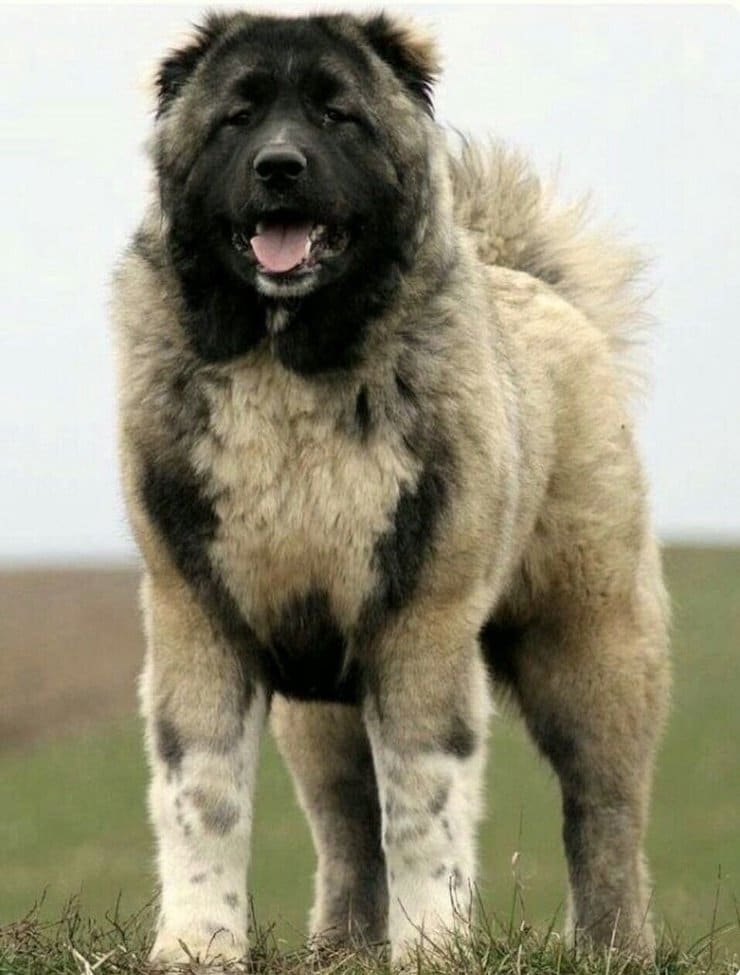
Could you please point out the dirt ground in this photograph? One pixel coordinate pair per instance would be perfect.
(71, 647)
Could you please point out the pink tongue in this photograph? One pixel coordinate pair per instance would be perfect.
(281, 247)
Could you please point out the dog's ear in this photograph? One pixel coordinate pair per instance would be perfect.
(180, 63)
(410, 52)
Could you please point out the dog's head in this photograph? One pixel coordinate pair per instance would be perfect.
(293, 151)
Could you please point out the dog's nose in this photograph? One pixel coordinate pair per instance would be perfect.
(279, 162)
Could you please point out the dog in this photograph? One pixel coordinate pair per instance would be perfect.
(378, 457)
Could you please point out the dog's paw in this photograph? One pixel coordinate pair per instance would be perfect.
(218, 951)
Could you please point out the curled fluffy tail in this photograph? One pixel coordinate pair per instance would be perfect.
(514, 223)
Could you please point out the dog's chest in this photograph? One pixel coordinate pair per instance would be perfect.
(302, 494)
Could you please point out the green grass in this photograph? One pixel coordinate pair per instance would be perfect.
(77, 945)
(73, 819)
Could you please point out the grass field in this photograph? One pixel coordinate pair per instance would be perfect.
(73, 821)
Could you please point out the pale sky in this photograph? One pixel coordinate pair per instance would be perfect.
(641, 105)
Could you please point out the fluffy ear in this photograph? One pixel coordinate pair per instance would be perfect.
(410, 52)
(177, 67)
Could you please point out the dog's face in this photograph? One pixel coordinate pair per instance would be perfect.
(292, 151)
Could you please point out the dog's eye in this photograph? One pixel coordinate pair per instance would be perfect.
(332, 115)
(242, 117)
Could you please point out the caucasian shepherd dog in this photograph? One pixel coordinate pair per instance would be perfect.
(378, 457)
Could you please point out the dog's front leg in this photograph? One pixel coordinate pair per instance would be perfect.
(204, 721)
(427, 718)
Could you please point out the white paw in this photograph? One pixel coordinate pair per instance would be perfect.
(214, 951)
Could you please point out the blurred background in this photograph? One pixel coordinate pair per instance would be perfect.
(639, 105)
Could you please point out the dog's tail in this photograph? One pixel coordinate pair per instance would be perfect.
(516, 224)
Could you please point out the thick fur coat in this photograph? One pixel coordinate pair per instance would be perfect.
(366, 495)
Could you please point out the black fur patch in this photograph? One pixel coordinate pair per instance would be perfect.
(400, 553)
(224, 318)
(328, 330)
(460, 739)
(170, 746)
(501, 641)
(306, 658)
(178, 506)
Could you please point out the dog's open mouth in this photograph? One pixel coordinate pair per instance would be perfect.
(284, 245)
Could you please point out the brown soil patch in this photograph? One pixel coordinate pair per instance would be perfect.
(71, 647)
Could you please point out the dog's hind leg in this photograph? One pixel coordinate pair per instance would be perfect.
(593, 693)
(327, 751)
(204, 721)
